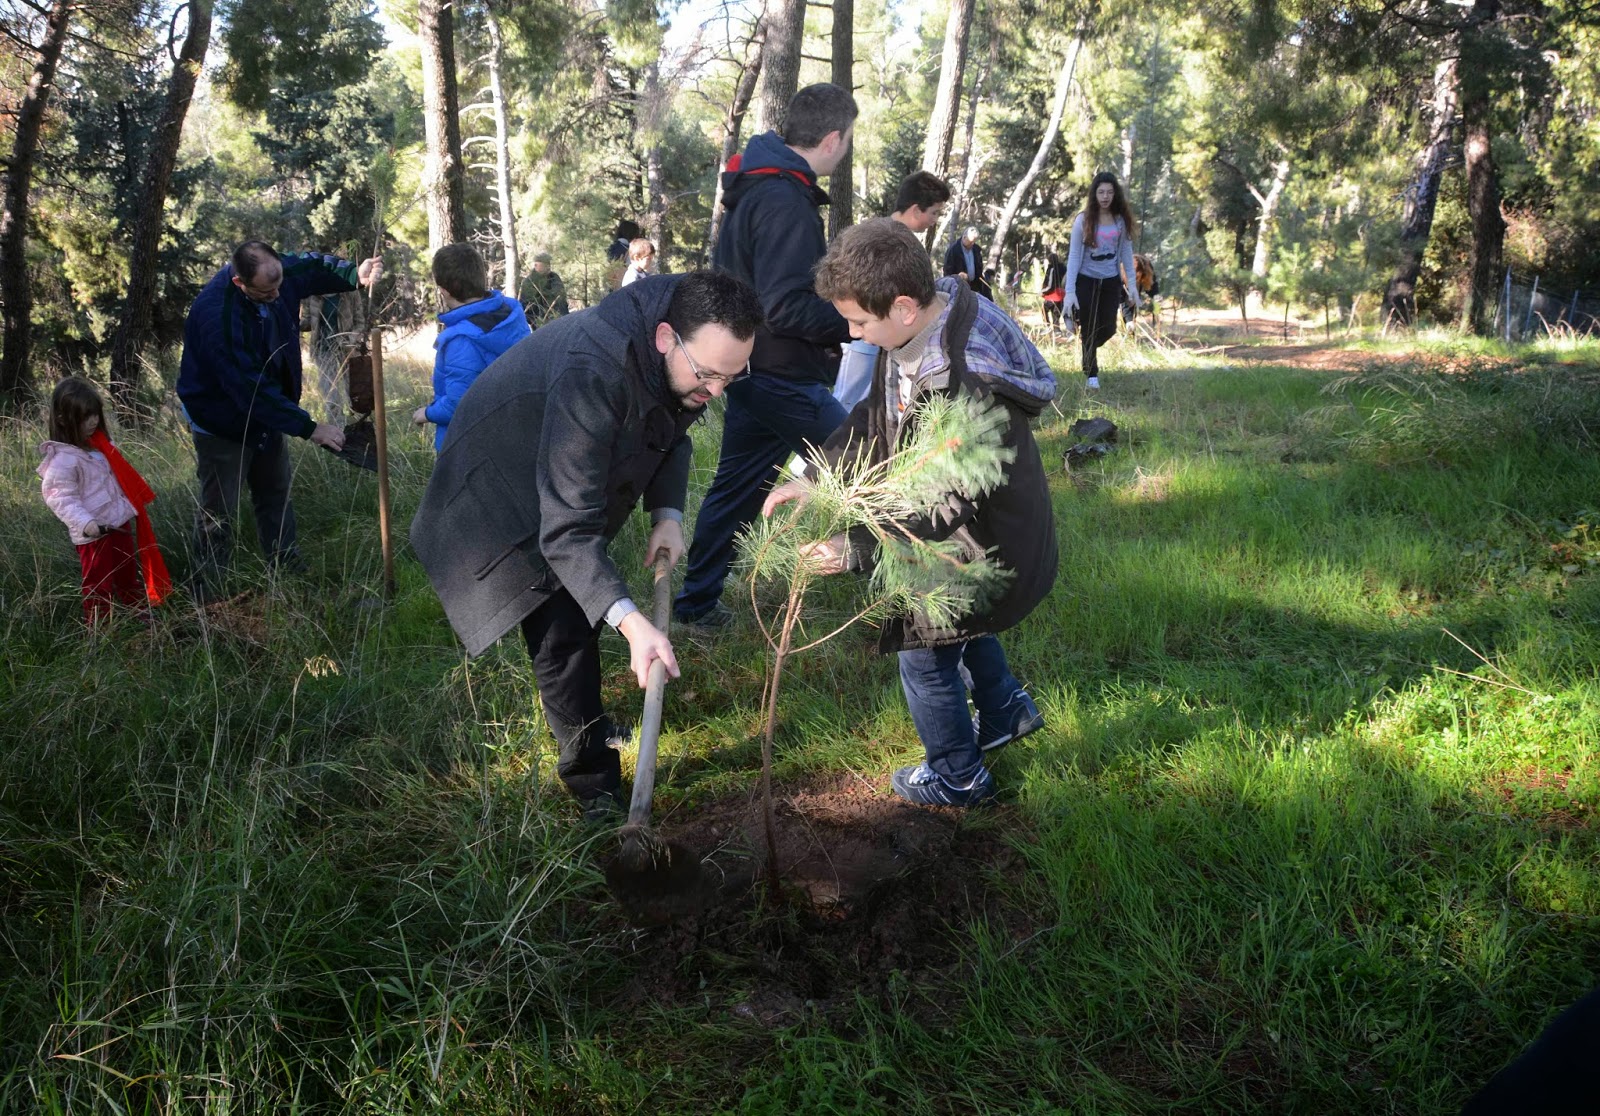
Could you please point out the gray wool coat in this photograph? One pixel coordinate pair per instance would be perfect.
(549, 451)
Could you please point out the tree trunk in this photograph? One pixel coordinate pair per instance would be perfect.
(502, 166)
(650, 111)
(947, 100)
(1058, 105)
(443, 176)
(16, 378)
(841, 210)
(733, 124)
(1422, 196)
(1261, 261)
(1483, 179)
(150, 219)
(780, 68)
(971, 164)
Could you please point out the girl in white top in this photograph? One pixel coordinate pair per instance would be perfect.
(78, 485)
(1100, 256)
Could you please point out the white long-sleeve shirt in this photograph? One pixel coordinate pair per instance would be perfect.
(1101, 260)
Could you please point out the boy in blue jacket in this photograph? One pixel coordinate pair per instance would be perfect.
(479, 325)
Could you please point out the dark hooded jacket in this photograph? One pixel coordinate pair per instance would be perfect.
(549, 451)
(772, 238)
(976, 350)
(240, 375)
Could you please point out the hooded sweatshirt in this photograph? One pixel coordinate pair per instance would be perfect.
(772, 238)
(78, 485)
(474, 336)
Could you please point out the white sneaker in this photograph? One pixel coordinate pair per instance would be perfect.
(1092, 383)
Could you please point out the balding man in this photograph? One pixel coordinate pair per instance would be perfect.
(239, 382)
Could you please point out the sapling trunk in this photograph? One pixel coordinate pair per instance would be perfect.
(791, 616)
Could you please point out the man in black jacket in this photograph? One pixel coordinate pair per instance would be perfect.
(547, 454)
(964, 258)
(771, 239)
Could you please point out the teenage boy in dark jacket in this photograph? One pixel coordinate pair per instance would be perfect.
(942, 338)
(772, 238)
(549, 452)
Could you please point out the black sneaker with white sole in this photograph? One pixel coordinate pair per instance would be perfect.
(1021, 717)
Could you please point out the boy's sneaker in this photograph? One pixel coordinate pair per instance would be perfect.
(1092, 383)
(919, 784)
(1020, 718)
(717, 618)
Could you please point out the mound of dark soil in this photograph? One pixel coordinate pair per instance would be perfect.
(875, 895)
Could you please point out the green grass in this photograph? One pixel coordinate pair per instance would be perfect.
(1312, 827)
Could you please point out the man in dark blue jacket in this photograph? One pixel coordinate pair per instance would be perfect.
(771, 239)
(239, 381)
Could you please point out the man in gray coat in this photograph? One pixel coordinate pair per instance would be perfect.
(547, 455)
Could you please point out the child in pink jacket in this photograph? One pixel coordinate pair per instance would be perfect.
(80, 488)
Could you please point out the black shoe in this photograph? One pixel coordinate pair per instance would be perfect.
(604, 808)
(717, 618)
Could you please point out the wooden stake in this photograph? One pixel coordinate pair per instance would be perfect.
(381, 428)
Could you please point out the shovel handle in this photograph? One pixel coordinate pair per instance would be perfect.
(644, 770)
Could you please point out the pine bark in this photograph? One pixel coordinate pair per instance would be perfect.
(502, 166)
(841, 208)
(150, 220)
(780, 68)
(733, 124)
(1058, 106)
(1483, 178)
(1422, 196)
(947, 99)
(444, 176)
(651, 113)
(1261, 259)
(16, 293)
(971, 164)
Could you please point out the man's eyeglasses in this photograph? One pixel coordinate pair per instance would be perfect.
(723, 378)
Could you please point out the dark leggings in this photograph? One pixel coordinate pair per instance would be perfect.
(1098, 303)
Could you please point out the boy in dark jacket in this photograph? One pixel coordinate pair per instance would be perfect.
(942, 338)
(479, 325)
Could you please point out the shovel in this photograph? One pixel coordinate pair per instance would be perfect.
(649, 868)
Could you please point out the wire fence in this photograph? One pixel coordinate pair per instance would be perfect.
(1527, 308)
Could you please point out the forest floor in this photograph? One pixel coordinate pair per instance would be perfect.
(1312, 826)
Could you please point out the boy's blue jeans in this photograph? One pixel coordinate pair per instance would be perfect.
(936, 680)
(766, 420)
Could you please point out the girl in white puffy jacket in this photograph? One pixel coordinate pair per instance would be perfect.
(80, 488)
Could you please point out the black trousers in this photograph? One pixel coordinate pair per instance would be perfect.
(1555, 1075)
(1098, 303)
(224, 467)
(565, 649)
